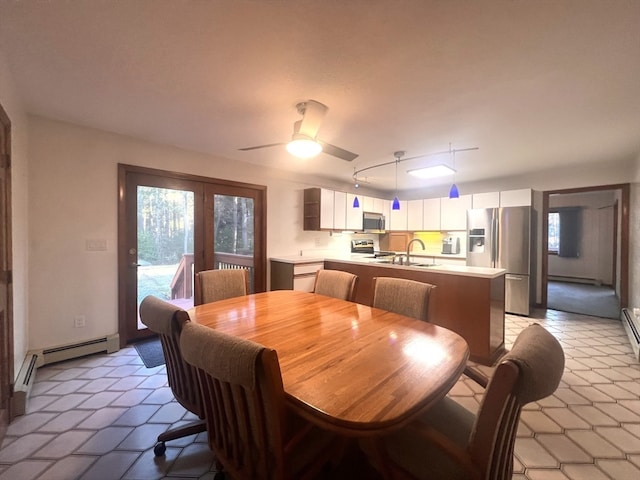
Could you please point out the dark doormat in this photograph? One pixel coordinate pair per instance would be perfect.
(150, 352)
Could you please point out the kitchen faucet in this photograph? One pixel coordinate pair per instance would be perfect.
(409, 248)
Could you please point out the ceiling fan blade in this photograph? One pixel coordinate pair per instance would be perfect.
(261, 146)
(312, 115)
(337, 151)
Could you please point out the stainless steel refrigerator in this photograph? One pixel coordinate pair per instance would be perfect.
(501, 238)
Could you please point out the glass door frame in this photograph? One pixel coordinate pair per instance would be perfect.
(129, 176)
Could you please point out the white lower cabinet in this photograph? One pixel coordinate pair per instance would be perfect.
(294, 274)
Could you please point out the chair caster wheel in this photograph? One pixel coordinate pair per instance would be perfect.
(159, 449)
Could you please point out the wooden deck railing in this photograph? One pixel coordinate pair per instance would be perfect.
(182, 283)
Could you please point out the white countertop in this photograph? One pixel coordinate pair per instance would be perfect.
(296, 259)
(482, 272)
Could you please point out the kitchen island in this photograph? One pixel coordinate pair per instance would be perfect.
(467, 300)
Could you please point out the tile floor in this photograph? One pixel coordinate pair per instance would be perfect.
(97, 418)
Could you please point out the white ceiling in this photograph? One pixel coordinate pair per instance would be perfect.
(533, 84)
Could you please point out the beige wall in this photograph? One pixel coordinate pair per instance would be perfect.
(634, 254)
(12, 105)
(73, 185)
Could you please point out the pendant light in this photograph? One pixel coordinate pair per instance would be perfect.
(453, 191)
(396, 203)
(356, 185)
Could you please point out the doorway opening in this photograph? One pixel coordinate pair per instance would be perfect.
(172, 225)
(585, 244)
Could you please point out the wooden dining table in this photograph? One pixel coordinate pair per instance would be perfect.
(347, 367)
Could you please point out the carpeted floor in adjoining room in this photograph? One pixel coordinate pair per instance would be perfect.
(594, 300)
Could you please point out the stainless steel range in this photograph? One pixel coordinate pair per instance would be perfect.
(366, 246)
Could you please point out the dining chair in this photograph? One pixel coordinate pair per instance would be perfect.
(451, 442)
(336, 283)
(399, 295)
(213, 285)
(166, 320)
(253, 434)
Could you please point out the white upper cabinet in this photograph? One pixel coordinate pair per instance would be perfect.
(353, 215)
(414, 215)
(453, 212)
(367, 204)
(516, 198)
(398, 218)
(431, 214)
(379, 205)
(486, 200)
(340, 211)
(326, 208)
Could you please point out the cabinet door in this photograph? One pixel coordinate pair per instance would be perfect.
(378, 205)
(453, 212)
(431, 214)
(326, 208)
(354, 215)
(486, 200)
(398, 218)
(340, 210)
(414, 215)
(516, 198)
(367, 204)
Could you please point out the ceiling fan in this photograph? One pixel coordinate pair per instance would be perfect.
(304, 142)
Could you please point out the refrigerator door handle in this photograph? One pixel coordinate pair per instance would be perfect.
(494, 241)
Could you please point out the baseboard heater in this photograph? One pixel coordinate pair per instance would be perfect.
(38, 358)
(632, 326)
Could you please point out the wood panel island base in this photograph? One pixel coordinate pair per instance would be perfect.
(466, 300)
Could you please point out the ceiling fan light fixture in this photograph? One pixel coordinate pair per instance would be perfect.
(433, 171)
(303, 147)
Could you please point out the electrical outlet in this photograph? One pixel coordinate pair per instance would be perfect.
(79, 321)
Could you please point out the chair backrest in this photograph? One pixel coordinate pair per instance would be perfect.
(335, 283)
(244, 401)
(166, 320)
(213, 285)
(530, 371)
(406, 297)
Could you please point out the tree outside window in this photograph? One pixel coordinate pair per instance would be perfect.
(554, 232)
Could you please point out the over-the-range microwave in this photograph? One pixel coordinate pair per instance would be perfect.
(373, 222)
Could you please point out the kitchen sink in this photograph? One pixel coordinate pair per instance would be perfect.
(426, 265)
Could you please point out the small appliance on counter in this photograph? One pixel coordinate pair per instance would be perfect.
(451, 245)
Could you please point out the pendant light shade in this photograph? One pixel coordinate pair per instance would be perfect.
(356, 202)
(396, 203)
(453, 191)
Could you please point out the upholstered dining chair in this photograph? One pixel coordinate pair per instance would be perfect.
(450, 442)
(166, 320)
(251, 431)
(406, 297)
(213, 285)
(335, 283)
